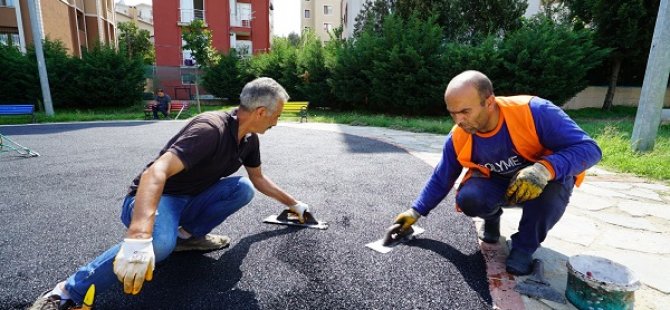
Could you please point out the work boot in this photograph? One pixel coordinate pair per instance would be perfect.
(51, 302)
(519, 263)
(206, 243)
(490, 230)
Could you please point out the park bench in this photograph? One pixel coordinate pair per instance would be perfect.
(298, 108)
(18, 109)
(175, 106)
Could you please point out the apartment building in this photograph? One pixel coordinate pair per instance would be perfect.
(79, 24)
(140, 14)
(322, 16)
(350, 9)
(240, 24)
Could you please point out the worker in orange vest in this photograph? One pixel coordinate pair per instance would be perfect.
(519, 150)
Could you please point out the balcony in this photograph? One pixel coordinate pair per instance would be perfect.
(240, 26)
(186, 16)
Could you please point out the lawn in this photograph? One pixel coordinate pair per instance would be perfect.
(612, 130)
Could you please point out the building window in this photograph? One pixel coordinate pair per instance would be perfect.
(327, 10)
(9, 39)
(192, 9)
(187, 78)
(8, 3)
(307, 14)
(328, 27)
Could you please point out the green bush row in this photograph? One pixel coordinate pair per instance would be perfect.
(103, 77)
(404, 68)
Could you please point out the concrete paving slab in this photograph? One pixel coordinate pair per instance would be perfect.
(585, 201)
(628, 221)
(641, 209)
(634, 240)
(576, 229)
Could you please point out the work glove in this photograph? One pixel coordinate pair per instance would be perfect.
(299, 208)
(135, 263)
(406, 219)
(528, 183)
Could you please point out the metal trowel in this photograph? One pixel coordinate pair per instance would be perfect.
(289, 218)
(394, 237)
(537, 287)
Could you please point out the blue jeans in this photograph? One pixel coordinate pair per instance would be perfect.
(484, 197)
(196, 214)
(163, 108)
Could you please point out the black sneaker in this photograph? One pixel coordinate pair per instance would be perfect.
(490, 231)
(519, 263)
(52, 302)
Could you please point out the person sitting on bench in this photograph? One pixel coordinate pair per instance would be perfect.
(162, 104)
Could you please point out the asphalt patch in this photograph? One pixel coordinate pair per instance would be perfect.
(60, 210)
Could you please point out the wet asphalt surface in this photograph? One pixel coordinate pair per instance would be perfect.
(60, 210)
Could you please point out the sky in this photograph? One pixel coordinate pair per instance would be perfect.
(286, 15)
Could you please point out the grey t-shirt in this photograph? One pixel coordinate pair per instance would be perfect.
(208, 147)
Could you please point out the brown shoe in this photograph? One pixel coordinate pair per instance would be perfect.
(51, 302)
(206, 243)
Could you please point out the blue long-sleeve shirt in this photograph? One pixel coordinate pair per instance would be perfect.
(573, 152)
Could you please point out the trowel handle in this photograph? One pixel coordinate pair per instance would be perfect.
(538, 270)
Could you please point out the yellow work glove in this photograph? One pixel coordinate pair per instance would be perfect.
(528, 183)
(407, 219)
(135, 263)
(299, 208)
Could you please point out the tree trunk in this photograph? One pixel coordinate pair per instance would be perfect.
(614, 77)
(197, 91)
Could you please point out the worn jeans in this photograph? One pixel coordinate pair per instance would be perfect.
(197, 214)
(484, 197)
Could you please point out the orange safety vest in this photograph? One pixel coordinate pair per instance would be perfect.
(521, 127)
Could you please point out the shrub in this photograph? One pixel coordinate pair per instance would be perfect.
(548, 60)
(108, 78)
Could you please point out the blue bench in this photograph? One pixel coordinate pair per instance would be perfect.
(18, 109)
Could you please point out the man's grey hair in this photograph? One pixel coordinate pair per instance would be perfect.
(262, 92)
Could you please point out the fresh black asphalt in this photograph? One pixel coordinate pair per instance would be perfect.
(61, 209)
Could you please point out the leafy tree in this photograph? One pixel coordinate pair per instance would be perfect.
(294, 39)
(625, 26)
(349, 79)
(226, 78)
(18, 81)
(281, 64)
(199, 42)
(407, 72)
(135, 42)
(484, 57)
(547, 59)
(372, 14)
(468, 20)
(311, 64)
(62, 72)
(102, 67)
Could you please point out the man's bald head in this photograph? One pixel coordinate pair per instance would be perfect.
(468, 79)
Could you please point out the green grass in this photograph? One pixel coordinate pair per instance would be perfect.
(612, 130)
